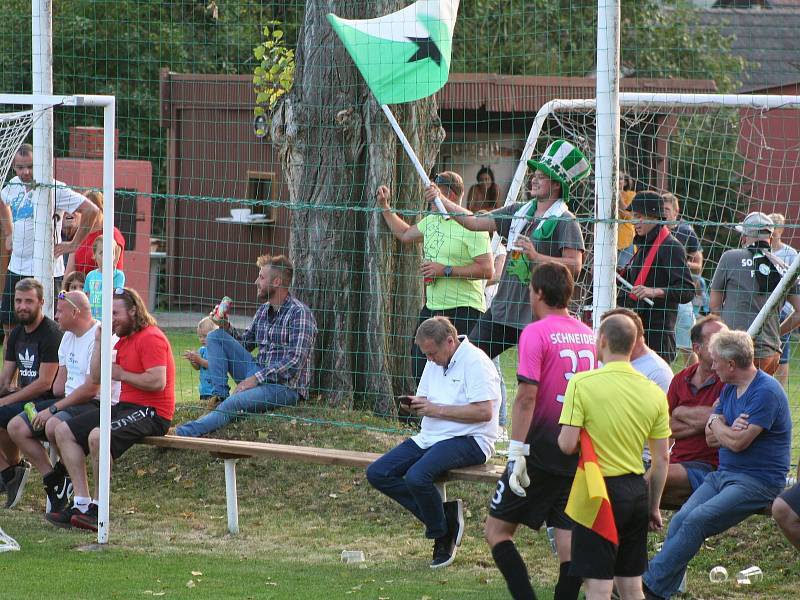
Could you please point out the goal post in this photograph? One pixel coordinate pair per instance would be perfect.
(44, 242)
(575, 119)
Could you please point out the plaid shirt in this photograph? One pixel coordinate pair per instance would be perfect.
(285, 339)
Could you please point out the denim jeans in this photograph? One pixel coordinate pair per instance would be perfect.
(254, 400)
(723, 500)
(407, 474)
(226, 355)
(503, 407)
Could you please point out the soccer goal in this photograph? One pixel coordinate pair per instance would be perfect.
(721, 155)
(19, 114)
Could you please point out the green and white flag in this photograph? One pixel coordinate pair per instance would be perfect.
(405, 55)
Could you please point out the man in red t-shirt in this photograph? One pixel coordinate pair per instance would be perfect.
(692, 394)
(145, 367)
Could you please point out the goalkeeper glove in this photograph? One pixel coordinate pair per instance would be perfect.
(518, 478)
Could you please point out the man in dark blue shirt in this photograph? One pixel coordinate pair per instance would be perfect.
(752, 427)
(283, 330)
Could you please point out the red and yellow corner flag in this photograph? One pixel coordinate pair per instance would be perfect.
(588, 502)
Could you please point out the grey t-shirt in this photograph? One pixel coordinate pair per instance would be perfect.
(512, 305)
(735, 279)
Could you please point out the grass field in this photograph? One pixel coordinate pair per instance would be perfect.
(169, 536)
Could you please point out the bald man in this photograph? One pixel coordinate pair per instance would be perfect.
(75, 389)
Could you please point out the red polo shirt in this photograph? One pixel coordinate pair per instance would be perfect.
(683, 393)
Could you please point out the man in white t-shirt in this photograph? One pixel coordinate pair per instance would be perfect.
(643, 358)
(73, 382)
(17, 220)
(458, 397)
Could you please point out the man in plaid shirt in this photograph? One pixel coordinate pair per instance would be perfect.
(284, 331)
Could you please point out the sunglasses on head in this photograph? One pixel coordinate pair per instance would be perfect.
(62, 295)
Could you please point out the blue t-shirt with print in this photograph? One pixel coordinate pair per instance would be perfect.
(94, 289)
(767, 457)
(206, 388)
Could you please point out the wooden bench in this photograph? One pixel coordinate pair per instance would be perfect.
(232, 450)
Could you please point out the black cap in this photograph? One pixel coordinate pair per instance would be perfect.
(648, 203)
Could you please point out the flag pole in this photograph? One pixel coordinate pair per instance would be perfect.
(412, 155)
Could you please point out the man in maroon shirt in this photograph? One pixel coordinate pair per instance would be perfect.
(691, 396)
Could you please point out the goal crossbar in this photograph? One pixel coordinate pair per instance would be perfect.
(650, 101)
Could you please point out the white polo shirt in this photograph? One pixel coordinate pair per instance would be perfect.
(470, 377)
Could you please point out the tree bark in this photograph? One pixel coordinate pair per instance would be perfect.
(337, 148)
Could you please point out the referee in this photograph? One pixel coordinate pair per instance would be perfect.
(619, 408)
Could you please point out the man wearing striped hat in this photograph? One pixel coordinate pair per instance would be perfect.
(538, 231)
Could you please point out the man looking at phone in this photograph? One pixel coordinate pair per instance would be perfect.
(458, 398)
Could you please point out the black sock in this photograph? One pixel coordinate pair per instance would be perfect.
(568, 586)
(511, 565)
(8, 474)
(60, 468)
(52, 478)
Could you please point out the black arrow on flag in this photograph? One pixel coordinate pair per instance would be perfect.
(426, 48)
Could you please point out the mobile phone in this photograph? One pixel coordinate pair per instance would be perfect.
(404, 400)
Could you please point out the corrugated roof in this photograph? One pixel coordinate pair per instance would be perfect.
(527, 94)
(769, 39)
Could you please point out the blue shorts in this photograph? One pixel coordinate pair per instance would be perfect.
(683, 326)
(792, 498)
(696, 471)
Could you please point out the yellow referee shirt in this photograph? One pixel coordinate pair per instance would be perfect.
(620, 409)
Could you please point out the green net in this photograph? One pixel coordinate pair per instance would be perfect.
(212, 173)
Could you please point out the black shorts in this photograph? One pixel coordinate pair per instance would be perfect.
(545, 502)
(9, 411)
(493, 337)
(594, 557)
(792, 498)
(129, 424)
(7, 314)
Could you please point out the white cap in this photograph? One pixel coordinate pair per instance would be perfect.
(756, 224)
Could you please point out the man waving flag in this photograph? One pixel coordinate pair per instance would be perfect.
(403, 56)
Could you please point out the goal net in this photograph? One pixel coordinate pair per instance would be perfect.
(721, 156)
(14, 128)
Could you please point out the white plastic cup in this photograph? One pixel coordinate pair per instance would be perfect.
(352, 556)
(749, 575)
(718, 575)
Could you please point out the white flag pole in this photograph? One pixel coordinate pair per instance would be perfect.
(412, 155)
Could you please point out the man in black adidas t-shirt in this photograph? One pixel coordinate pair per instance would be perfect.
(31, 354)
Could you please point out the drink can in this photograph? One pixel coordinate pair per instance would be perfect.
(515, 253)
(30, 411)
(222, 309)
(428, 280)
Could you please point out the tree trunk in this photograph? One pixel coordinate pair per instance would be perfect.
(337, 148)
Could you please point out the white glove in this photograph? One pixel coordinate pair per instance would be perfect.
(518, 478)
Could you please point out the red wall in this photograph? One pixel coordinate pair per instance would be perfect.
(130, 175)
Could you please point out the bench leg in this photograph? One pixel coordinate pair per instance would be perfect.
(230, 495)
(442, 487)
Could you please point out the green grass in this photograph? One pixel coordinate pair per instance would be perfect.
(168, 519)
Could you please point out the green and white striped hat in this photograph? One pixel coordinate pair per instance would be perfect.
(564, 163)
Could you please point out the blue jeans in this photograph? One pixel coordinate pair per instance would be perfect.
(226, 355)
(254, 400)
(723, 500)
(407, 474)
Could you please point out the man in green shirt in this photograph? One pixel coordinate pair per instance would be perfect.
(455, 262)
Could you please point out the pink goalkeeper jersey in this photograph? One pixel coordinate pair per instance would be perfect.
(551, 351)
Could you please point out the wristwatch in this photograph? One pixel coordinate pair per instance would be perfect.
(53, 409)
(448, 270)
